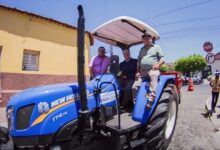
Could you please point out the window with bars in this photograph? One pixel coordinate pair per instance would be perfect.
(30, 60)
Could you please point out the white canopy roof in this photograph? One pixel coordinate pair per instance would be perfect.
(124, 30)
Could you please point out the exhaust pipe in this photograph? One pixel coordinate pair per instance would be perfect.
(81, 65)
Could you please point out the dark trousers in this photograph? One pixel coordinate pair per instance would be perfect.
(214, 99)
(126, 91)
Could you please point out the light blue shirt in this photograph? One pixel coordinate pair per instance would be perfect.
(149, 56)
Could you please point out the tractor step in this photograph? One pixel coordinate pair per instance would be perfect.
(137, 142)
(127, 124)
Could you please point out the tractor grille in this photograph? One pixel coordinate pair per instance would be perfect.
(23, 117)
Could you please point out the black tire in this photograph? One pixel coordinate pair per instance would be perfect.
(157, 132)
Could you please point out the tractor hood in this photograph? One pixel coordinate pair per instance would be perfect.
(43, 93)
(44, 109)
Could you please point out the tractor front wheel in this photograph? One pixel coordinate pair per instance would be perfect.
(160, 127)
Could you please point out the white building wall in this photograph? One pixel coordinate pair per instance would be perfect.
(215, 66)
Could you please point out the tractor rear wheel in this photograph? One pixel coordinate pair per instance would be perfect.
(160, 127)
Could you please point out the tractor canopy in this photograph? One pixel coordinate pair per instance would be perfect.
(123, 31)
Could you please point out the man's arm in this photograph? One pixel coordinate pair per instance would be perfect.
(210, 84)
(160, 56)
(91, 72)
(160, 63)
(107, 70)
(90, 66)
(138, 66)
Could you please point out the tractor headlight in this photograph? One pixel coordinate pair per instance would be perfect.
(10, 117)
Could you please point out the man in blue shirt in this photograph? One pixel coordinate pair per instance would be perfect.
(128, 70)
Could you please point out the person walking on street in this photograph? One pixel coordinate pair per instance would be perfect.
(215, 84)
(150, 59)
(99, 64)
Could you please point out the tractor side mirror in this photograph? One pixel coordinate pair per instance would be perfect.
(3, 135)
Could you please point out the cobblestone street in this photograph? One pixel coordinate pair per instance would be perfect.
(193, 131)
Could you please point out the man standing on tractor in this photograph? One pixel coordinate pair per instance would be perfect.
(150, 59)
(99, 64)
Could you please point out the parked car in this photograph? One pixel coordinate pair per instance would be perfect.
(196, 79)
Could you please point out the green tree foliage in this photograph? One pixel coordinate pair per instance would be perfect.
(190, 64)
(164, 68)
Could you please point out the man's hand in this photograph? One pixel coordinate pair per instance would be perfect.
(137, 75)
(215, 88)
(156, 67)
(124, 77)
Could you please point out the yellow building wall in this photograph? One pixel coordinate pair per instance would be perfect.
(56, 43)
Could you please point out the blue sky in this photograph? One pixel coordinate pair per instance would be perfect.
(184, 25)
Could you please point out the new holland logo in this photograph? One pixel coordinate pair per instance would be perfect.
(43, 107)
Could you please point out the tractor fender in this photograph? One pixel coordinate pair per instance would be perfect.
(140, 113)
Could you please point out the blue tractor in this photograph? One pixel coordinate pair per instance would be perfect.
(81, 115)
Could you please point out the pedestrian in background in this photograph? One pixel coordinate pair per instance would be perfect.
(215, 84)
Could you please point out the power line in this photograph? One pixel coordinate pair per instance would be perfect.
(191, 29)
(178, 9)
(174, 35)
(188, 20)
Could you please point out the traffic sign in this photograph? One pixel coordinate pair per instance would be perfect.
(208, 47)
(210, 58)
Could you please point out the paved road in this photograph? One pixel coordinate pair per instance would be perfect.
(193, 131)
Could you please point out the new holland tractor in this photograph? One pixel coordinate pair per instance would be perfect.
(80, 116)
